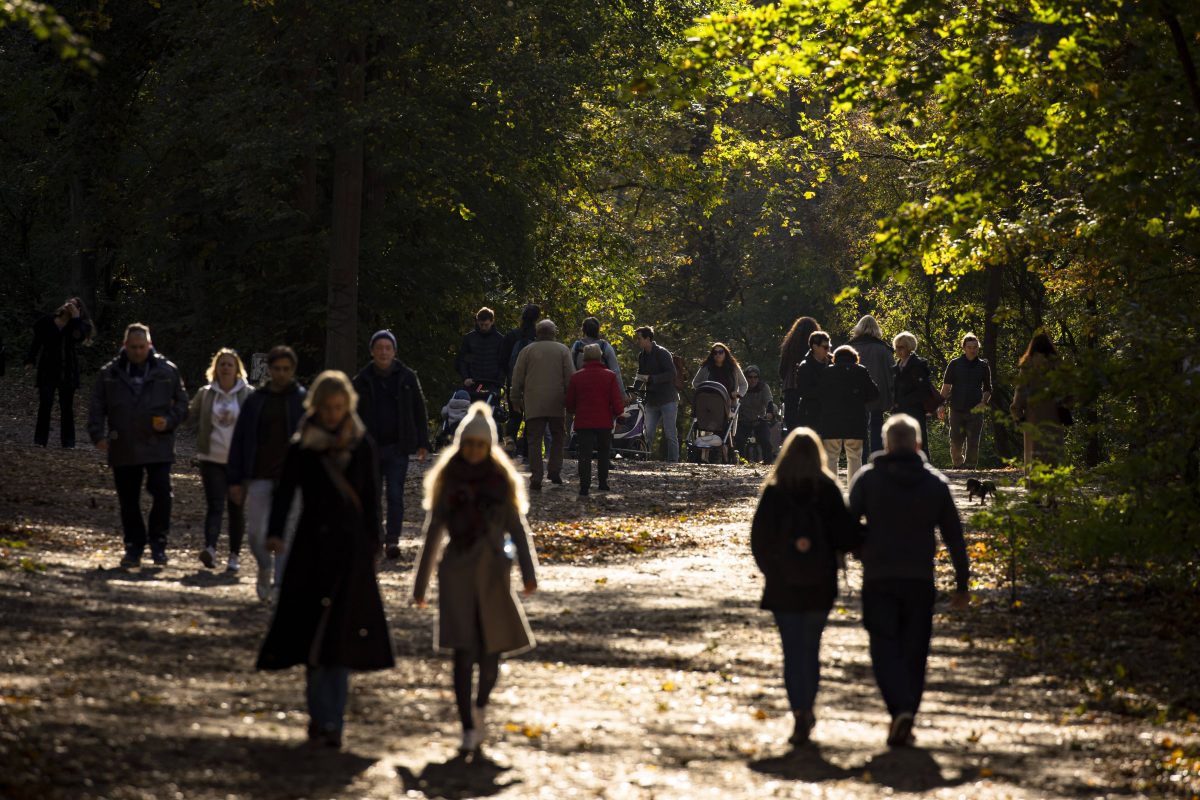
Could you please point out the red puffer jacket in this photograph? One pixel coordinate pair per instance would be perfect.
(594, 396)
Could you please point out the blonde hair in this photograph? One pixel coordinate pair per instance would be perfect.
(906, 338)
(435, 478)
(211, 374)
(867, 326)
(801, 462)
(327, 384)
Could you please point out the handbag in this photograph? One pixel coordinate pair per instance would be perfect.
(933, 399)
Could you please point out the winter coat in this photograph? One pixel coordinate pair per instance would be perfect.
(480, 357)
(757, 403)
(200, 412)
(514, 342)
(409, 403)
(53, 350)
(845, 390)
(329, 611)
(903, 498)
(609, 356)
(739, 383)
(660, 371)
(780, 518)
(1035, 405)
(476, 599)
(910, 385)
(878, 357)
(244, 448)
(123, 414)
(594, 397)
(809, 376)
(540, 379)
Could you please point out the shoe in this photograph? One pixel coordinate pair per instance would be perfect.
(900, 733)
(208, 557)
(583, 493)
(392, 552)
(556, 480)
(805, 722)
(263, 586)
(470, 741)
(131, 560)
(604, 487)
(234, 565)
(159, 558)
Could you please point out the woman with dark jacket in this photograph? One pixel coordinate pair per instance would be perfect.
(475, 530)
(329, 616)
(800, 526)
(791, 352)
(846, 390)
(878, 357)
(911, 378)
(1035, 407)
(55, 337)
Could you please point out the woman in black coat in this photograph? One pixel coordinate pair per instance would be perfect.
(912, 384)
(55, 337)
(800, 526)
(329, 615)
(791, 352)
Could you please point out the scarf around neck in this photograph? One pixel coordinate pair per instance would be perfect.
(337, 444)
(472, 494)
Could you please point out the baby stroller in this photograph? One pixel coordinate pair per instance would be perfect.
(629, 434)
(452, 413)
(714, 424)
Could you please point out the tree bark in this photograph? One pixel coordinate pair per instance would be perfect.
(341, 335)
(1002, 435)
(1184, 53)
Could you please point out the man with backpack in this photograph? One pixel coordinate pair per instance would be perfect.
(591, 335)
(657, 376)
(514, 342)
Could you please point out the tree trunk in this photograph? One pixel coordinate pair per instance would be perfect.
(1093, 453)
(341, 335)
(1002, 435)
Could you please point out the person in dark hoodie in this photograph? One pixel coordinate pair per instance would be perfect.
(877, 356)
(809, 375)
(791, 352)
(903, 499)
(53, 351)
(514, 342)
(480, 360)
(846, 389)
(799, 527)
(137, 403)
(260, 443)
(392, 406)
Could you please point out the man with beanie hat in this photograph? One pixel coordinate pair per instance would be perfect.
(392, 406)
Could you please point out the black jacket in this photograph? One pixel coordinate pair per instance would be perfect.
(910, 386)
(810, 375)
(244, 447)
(53, 350)
(657, 365)
(329, 611)
(845, 390)
(778, 520)
(480, 357)
(409, 402)
(903, 499)
(123, 412)
(969, 379)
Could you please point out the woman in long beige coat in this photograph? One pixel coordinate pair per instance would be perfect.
(1036, 406)
(475, 529)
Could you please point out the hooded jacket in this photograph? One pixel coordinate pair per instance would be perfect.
(904, 499)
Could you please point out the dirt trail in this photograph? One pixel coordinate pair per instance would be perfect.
(655, 675)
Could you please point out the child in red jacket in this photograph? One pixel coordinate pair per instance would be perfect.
(594, 397)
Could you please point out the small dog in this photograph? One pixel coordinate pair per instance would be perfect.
(980, 489)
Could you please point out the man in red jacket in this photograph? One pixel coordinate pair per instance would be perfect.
(594, 397)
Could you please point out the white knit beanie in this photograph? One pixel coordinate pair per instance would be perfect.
(478, 424)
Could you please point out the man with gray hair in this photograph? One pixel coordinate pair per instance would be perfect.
(903, 499)
(540, 379)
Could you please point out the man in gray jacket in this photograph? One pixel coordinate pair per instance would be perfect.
(539, 391)
(137, 403)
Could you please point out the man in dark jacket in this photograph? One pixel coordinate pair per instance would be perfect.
(809, 375)
(392, 406)
(480, 359)
(903, 498)
(967, 384)
(260, 443)
(656, 373)
(844, 392)
(514, 342)
(137, 403)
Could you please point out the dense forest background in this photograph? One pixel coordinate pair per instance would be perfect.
(247, 173)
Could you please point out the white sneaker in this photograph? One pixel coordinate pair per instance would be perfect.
(264, 583)
(233, 565)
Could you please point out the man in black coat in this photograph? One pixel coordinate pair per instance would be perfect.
(809, 376)
(844, 391)
(392, 406)
(514, 342)
(903, 499)
(137, 403)
(480, 360)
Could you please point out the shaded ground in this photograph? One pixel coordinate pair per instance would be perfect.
(655, 675)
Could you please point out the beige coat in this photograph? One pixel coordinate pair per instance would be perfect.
(1036, 408)
(540, 379)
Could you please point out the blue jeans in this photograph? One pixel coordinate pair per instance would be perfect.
(801, 635)
(668, 413)
(325, 690)
(393, 470)
(898, 616)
